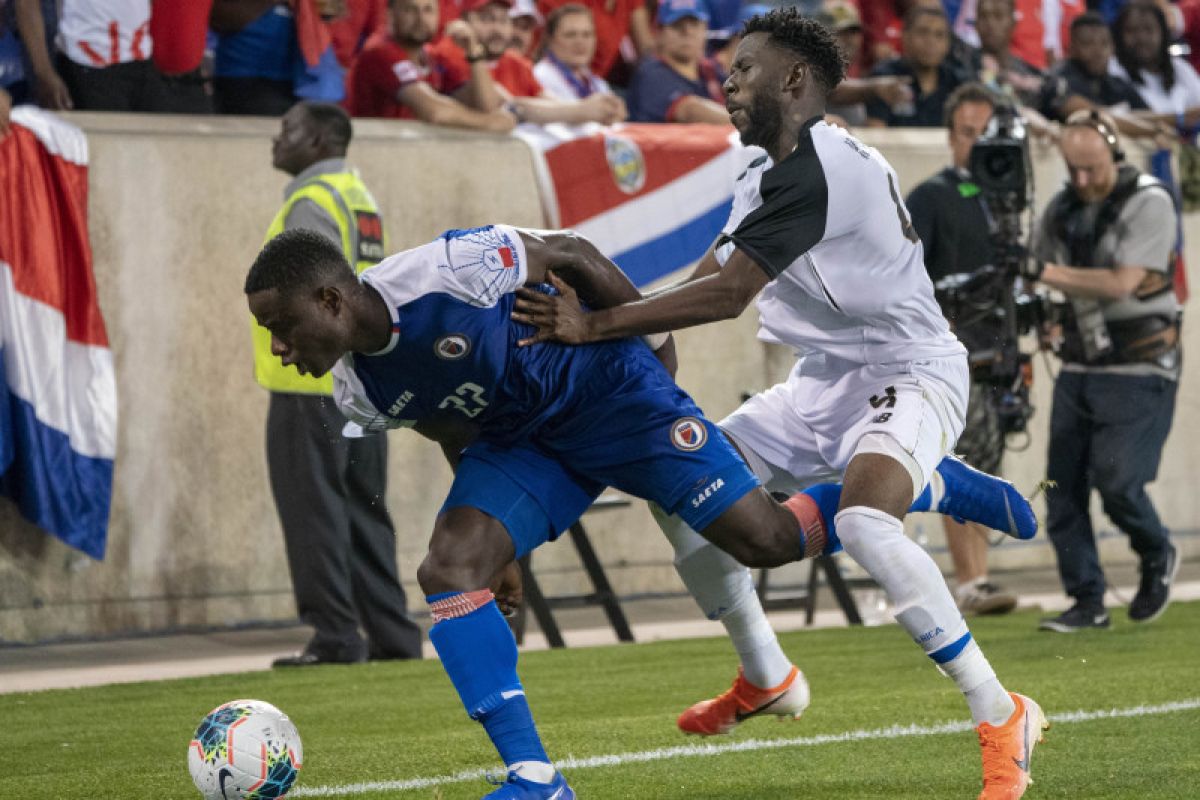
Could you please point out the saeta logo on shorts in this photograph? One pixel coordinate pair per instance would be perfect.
(708, 492)
(688, 434)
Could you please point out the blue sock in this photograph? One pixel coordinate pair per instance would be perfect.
(479, 654)
(827, 496)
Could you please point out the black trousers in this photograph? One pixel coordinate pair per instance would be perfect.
(1106, 433)
(132, 86)
(341, 546)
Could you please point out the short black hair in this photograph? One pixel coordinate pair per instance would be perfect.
(298, 259)
(333, 121)
(808, 38)
(1088, 19)
(972, 92)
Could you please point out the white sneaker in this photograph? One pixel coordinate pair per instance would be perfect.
(981, 597)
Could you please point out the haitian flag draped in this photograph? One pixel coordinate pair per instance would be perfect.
(651, 197)
(58, 397)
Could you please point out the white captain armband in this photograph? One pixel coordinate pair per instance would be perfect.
(656, 340)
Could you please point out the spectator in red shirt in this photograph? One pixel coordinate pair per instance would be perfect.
(179, 29)
(485, 25)
(616, 21)
(526, 28)
(398, 76)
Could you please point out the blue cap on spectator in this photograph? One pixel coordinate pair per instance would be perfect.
(671, 11)
(722, 35)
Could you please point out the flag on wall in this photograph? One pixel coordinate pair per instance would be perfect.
(58, 399)
(651, 197)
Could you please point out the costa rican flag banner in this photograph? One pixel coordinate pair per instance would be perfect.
(58, 396)
(651, 197)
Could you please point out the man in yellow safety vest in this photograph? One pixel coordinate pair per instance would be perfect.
(329, 490)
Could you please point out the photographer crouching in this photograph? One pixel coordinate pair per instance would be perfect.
(958, 228)
(1106, 242)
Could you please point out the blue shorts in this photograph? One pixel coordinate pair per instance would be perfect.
(632, 429)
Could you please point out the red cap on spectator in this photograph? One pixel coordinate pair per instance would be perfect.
(475, 5)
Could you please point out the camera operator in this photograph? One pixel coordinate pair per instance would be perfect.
(949, 213)
(1105, 241)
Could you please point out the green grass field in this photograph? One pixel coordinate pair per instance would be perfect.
(388, 724)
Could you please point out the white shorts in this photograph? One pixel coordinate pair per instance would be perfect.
(807, 429)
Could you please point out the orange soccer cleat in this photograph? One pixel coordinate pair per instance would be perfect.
(1008, 748)
(745, 700)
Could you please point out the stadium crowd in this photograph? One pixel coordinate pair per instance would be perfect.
(492, 64)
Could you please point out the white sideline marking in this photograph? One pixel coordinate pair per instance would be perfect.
(685, 751)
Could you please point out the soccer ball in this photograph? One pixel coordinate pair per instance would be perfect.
(245, 750)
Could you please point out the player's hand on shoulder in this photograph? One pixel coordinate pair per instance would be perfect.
(558, 318)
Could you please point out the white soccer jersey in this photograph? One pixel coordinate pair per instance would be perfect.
(848, 273)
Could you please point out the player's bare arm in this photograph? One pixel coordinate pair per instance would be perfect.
(571, 263)
(721, 294)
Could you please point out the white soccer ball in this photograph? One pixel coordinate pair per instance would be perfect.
(245, 750)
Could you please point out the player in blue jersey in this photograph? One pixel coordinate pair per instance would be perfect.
(425, 340)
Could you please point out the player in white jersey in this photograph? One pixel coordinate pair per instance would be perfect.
(820, 235)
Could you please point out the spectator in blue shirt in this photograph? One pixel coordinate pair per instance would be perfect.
(679, 84)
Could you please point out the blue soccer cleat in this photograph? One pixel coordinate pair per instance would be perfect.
(969, 495)
(517, 788)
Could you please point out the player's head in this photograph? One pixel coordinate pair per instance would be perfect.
(297, 289)
(968, 110)
(414, 22)
(1092, 151)
(784, 58)
(310, 132)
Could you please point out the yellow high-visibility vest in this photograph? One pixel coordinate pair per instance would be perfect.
(346, 199)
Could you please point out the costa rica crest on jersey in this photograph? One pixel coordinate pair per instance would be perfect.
(688, 433)
(452, 346)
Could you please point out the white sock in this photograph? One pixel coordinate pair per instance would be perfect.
(724, 590)
(536, 771)
(923, 605)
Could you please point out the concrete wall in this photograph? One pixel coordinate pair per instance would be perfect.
(178, 210)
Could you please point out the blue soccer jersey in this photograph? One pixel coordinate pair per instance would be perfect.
(559, 422)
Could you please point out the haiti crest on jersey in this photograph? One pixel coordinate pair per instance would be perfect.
(452, 346)
(688, 433)
(626, 163)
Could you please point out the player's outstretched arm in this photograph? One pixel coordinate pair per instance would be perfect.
(723, 294)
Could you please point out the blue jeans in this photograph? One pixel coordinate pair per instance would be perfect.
(1106, 432)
